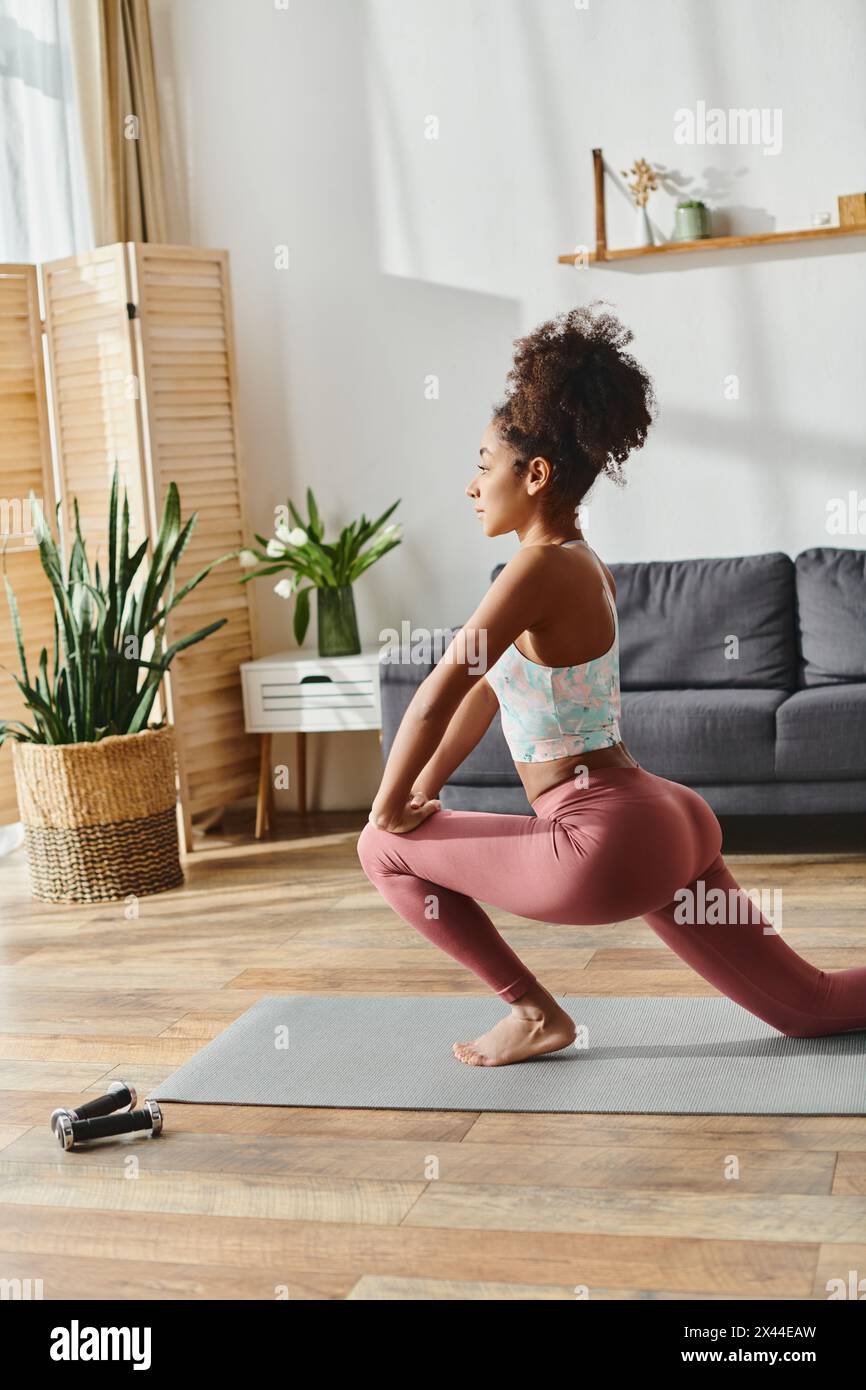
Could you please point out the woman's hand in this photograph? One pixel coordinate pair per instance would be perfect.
(416, 810)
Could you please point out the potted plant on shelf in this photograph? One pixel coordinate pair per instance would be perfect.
(95, 783)
(330, 569)
(691, 220)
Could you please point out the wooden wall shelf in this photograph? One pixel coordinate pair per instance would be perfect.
(603, 252)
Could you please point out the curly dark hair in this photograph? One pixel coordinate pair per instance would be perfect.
(577, 398)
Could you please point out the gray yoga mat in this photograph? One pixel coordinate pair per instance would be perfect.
(665, 1056)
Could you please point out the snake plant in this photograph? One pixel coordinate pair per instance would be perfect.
(100, 628)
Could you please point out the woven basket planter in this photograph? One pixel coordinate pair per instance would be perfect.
(100, 819)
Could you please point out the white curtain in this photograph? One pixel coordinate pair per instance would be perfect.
(44, 197)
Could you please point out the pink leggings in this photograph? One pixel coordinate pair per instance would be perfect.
(626, 844)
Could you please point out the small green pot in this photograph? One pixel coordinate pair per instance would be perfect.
(691, 223)
(336, 621)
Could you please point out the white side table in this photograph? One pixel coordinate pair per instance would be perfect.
(305, 693)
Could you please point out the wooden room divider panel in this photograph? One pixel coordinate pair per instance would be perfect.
(25, 463)
(185, 348)
(94, 389)
(142, 366)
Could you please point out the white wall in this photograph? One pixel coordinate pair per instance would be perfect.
(306, 126)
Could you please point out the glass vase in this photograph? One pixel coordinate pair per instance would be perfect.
(336, 621)
(643, 230)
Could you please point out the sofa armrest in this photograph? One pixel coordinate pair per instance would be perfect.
(400, 675)
(398, 682)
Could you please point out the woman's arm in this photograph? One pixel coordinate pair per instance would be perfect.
(466, 730)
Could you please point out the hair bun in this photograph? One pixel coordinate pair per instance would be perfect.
(577, 396)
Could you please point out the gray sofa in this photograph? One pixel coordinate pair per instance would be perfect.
(743, 677)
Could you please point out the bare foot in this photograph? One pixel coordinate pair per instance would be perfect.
(531, 1029)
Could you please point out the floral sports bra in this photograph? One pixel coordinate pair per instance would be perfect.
(554, 711)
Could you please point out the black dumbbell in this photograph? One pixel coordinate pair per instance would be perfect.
(71, 1132)
(120, 1096)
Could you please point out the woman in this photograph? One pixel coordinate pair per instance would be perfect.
(608, 839)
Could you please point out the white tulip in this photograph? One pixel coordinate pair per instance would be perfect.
(275, 549)
(284, 588)
(247, 559)
(284, 534)
(298, 536)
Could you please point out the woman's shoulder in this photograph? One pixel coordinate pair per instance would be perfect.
(539, 560)
(610, 579)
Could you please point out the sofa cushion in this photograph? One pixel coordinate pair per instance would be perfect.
(677, 619)
(703, 735)
(830, 588)
(821, 733)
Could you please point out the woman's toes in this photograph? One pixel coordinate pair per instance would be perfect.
(464, 1052)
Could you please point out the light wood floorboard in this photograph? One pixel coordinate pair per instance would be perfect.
(257, 1202)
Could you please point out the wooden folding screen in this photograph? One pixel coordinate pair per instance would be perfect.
(141, 353)
(184, 334)
(25, 463)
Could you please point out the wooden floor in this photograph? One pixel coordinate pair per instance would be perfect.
(250, 1202)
